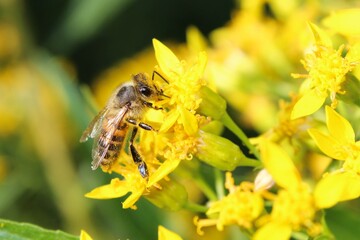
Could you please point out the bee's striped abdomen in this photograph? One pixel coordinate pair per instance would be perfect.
(112, 146)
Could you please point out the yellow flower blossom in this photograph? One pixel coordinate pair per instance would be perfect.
(294, 206)
(179, 137)
(287, 128)
(180, 83)
(132, 182)
(166, 194)
(242, 206)
(339, 144)
(184, 83)
(327, 69)
(165, 234)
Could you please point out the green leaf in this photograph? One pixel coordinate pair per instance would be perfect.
(344, 221)
(10, 230)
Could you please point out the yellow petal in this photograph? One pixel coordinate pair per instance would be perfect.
(327, 145)
(339, 127)
(335, 188)
(201, 64)
(169, 120)
(273, 231)
(279, 165)
(84, 235)
(321, 37)
(352, 186)
(195, 40)
(165, 169)
(353, 55)
(344, 22)
(115, 189)
(167, 60)
(189, 121)
(132, 198)
(165, 234)
(309, 103)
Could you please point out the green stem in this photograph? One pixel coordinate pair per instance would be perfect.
(231, 125)
(194, 207)
(250, 162)
(219, 183)
(205, 188)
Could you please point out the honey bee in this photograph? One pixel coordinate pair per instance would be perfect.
(112, 124)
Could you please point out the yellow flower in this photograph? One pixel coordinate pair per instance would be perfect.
(327, 69)
(165, 234)
(166, 194)
(340, 144)
(287, 128)
(184, 83)
(242, 206)
(294, 206)
(179, 137)
(132, 182)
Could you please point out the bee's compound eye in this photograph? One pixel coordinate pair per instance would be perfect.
(145, 91)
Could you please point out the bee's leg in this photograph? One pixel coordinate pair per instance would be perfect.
(140, 124)
(152, 106)
(136, 156)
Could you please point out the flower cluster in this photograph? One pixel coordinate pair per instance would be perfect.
(181, 136)
(287, 199)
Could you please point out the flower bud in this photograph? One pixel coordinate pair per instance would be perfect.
(263, 181)
(212, 104)
(219, 152)
(169, 195)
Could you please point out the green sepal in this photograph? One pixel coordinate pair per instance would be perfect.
(221, 153)
(170, 195)
(212, 104)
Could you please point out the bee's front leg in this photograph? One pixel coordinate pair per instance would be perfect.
(142, 167)
(140, 124)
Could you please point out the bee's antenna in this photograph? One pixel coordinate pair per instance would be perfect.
(152, 78)
(157, 73)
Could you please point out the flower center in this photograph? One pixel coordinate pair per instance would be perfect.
(294, 207)
(327, 69)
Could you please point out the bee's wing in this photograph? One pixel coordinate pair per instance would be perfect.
(110, 126)
(94, 127)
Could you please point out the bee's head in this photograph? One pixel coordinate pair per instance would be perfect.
(145, 89)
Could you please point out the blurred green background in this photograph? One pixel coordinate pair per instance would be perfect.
(48, 49)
